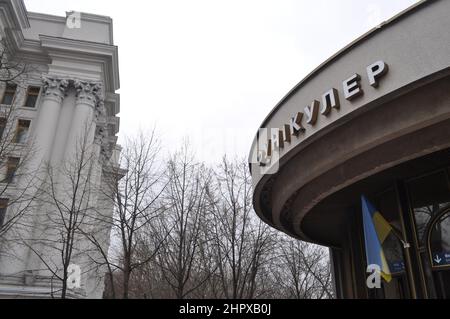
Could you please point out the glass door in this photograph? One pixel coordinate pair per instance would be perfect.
(387, 205)
(429, 196)
(438, 251)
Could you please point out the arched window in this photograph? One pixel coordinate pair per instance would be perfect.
(438, 239)
(438, 249)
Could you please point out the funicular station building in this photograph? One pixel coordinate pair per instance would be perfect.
(372, 120)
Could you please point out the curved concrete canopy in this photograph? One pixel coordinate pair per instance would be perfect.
(361, 135)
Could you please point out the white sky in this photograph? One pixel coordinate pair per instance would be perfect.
(212, 70)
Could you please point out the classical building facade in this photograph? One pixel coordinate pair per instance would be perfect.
(67, 94)
(372, 120)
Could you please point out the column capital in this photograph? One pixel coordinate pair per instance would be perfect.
(55, 88)
(102, 139)
(102, 135)
(88, 92)
(100, 110)
(106, 152)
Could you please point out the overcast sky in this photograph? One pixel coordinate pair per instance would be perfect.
(212, 70)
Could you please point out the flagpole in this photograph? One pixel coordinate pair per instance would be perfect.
(407, 255)
(399, 237)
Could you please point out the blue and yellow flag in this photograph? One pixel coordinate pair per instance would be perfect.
(376, 230)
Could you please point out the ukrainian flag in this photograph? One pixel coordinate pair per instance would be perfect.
(376, 230)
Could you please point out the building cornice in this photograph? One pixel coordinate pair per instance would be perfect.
(114, 99)
(89, 17)
(21, 13)
(46, 17)
(92, 17)
(15, 14)
(26, 49)
(44, 50)
(56, 18)
(97, 52)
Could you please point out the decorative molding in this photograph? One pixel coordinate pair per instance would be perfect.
(88, 17)
(88, 92)
(54, 88)
(106, 152)
(46, 17)
(100, 134)
(15, 10)
(112, 101)
(105, 54)
(22, 14)
(91, 93)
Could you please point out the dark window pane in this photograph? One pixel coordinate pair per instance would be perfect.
(428, 194)
(442, 282)
(32, 96)
(8, 96)
(3, 206)
(2, 126)
(428, 275)
(22, 131)
(440, 241)
(13, 163)
(8, 99)
(387, 206)
(31, 101)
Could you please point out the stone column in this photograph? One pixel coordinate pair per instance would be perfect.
(63, 128)
(47, 121)
(81, 137)
(43, 140)
(83, 125)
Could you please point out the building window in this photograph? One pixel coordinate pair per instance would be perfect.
(428, 194)
(32, 96)
(3, 207)
(439, 241)
(2, 126)
(10, 92)
(23, 126)
(11, 169)
(387, 205)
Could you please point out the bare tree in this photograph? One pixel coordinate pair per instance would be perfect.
(210, 243)
(302, 270)
(242, 243)
(12, 67)
(68, 196)
(15, 145)
(16, 179)
(134, 186)
(185, 199)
